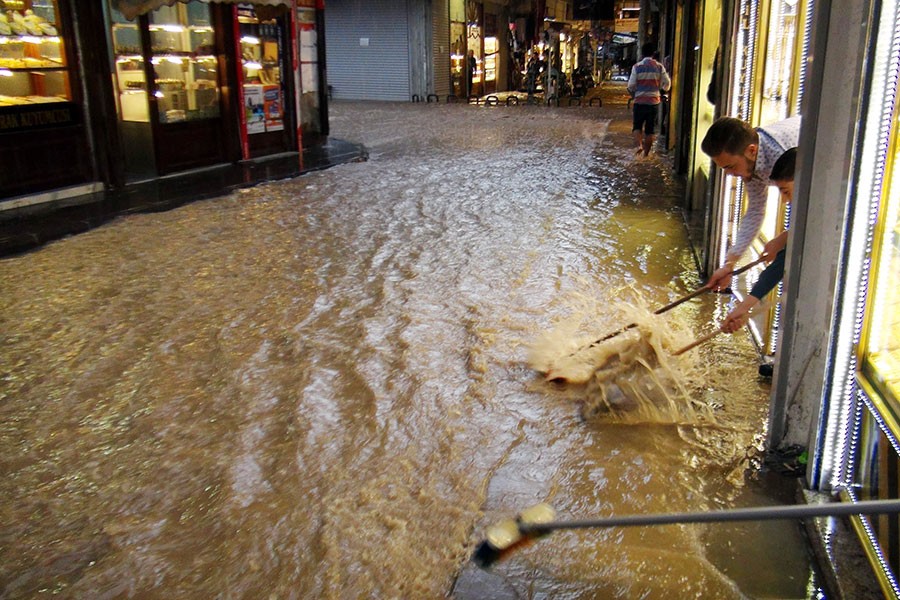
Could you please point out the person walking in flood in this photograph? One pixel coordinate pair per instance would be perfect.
(783, 177)
(749, 153)
(648, 79)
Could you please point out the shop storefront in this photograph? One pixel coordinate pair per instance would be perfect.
(173, 86)
(202, 83)
(759, 75)
(857, 449)
(42, 103)
(170, 76)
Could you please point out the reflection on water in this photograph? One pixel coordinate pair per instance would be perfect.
(318, 388)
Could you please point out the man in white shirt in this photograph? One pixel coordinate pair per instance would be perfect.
(748, 153)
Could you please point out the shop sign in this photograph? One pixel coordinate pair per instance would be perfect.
(39, 116)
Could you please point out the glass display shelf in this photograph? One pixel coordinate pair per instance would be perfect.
(33, 66)
(184, 63)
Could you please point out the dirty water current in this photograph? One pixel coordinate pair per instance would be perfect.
(319, 387)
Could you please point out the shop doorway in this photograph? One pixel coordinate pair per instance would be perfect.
(173, 115)
(264, 85)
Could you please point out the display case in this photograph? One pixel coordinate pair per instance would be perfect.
(33, 66)
(183, 61)
(184, 64)
(131, 81)
(261, 77)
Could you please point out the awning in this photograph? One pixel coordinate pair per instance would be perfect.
(135, 8)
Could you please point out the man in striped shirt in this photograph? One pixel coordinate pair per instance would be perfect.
(648, 78)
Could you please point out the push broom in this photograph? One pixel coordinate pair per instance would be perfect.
(555, 376)
(503, 538)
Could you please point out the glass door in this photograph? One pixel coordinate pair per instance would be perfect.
(313, 124)
(265, 121)
(184, 63)
(169, 88)
(184, 44)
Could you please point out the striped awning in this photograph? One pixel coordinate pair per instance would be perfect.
(135, 8)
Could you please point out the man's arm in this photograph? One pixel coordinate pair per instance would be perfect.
(752, 219)
(768, 279)
(664, 81)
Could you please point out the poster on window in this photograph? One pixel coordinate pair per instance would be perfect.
(254, 109)
(274, 108)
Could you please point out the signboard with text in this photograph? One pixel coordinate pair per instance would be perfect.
(29, 117)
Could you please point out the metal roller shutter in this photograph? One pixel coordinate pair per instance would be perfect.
(367, 49)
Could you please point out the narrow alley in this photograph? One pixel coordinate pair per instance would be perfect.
(318, 387)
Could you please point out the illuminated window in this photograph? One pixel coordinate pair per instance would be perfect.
(882, 345)
(32, 58)
(779, 61)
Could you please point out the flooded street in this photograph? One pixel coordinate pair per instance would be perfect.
(319, 388)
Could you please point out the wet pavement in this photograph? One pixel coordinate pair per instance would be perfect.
(319, 387)
(26, 228)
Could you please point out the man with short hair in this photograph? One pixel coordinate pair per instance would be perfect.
(749, 153)
(782, 176)
(648, 78)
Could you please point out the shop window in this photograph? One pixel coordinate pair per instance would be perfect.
(261, 49)
(308, 59)
(876, 476)
(458, 58)
(33, 67)
(491, 54)
(476, 43)
(881, 354)
(778, 64)
(130, 78)
(184, 64)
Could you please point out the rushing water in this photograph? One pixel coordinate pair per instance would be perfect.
(318, 388)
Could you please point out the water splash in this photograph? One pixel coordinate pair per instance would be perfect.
(632, 376)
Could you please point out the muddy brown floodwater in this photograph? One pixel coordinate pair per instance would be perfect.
(318, 388)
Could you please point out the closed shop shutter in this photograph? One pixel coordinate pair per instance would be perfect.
(440, 12)
(367, 49)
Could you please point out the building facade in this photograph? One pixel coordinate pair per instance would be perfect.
(834, 326)
(99, 95)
